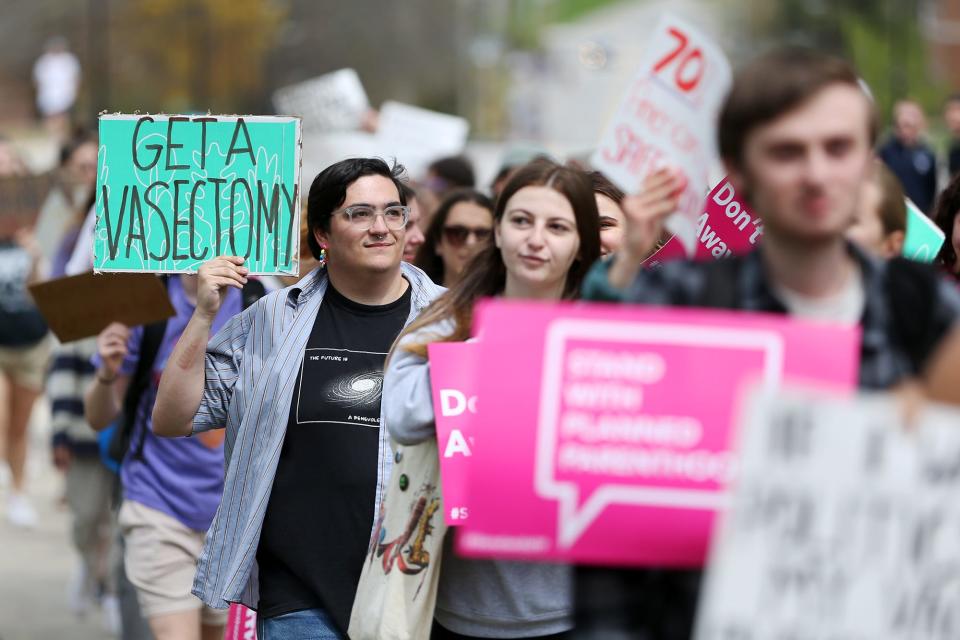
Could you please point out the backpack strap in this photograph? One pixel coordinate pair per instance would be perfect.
(149, 347)
(911, 291)
(252, 291)
(720, 288)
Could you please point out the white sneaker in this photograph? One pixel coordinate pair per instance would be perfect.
(20, 513)
(110, 612)
(79, 600)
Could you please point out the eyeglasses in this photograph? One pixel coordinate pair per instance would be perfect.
(457, 234)
(363, 217)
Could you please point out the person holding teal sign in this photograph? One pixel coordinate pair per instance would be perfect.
(176, 191)
(296, 381)
(945, 215)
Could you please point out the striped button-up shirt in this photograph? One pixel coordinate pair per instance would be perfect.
(251, 368)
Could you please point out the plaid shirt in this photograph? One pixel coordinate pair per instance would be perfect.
(251, 368)
(652, 604)
(884, 360)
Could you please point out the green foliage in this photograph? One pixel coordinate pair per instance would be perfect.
(197, 54)
(895, 67)
(568, 10)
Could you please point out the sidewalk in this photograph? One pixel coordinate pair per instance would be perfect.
(36, 565)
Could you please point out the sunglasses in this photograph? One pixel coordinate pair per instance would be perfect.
(456, 234)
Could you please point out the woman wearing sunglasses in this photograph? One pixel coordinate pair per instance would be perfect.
(546, 236)
(461, 228)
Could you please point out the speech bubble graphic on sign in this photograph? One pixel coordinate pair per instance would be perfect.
(604, 431)
(593, 414)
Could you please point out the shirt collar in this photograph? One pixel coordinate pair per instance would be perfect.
(424, 290)
(759, 293)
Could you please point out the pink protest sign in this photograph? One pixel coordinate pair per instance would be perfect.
(726, 227)
(607, 429)
(241, 623)
(453, 368)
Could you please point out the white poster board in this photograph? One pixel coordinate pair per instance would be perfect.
(417, 136)
(331, 102)
(844, 525)
(668, 118)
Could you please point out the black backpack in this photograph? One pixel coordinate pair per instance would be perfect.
(123, 436)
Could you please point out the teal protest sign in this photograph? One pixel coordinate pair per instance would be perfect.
(176, 191)
(923, 238)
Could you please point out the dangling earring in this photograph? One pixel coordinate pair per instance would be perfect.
(323, 255)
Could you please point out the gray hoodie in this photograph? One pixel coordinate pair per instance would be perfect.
(489, 598)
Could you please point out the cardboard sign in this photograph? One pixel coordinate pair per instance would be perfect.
(21, 198)
(332, 102)
(241, 623)
(176, 191)
(82, 306)
(842, 525)
(416, 136)
(453, 369)
(606, 434)
(668, 117)
(923, 238)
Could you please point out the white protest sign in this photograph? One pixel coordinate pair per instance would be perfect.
(417, 136)
(332, 102)
(668, 118)
(843, 526)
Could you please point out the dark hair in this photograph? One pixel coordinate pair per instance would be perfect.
(79, 138)
(948, 206)
(775, 84)
(893, 207)
(408, 192)
(486, 275)
(603, 186)
(427, 258)
(329, 190)
(455, 171)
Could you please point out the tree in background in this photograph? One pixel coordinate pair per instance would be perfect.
(179, 55)
(883, 40)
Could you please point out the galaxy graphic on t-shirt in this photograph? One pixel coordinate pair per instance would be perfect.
(340, 386)
(358, 390)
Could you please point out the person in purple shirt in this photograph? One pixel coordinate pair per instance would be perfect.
(171, 488)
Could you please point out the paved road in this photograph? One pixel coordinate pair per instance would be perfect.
(36, 565)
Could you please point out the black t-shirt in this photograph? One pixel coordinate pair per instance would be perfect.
(317, 526)
(21, 324)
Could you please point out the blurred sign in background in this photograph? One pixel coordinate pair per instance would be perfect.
(547, 72)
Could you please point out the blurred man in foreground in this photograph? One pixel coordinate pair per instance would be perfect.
(796, 135)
